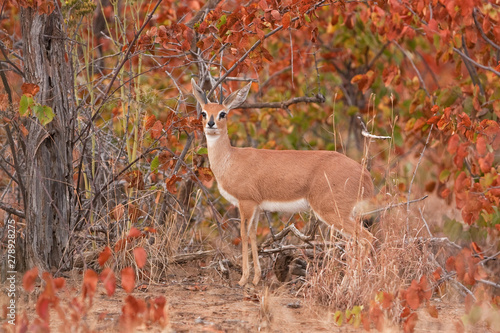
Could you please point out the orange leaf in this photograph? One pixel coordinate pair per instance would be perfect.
(128, 279)
(89, 284)
(481, 145)
(140, 256)
(453, 144)
(425, 288)
(412, 295)
(30, 89)
(387, 300)
(205, 174)
(117, 212)
(432, 311)
(286, 20)
(109, 281)
(104, 256)
(29, 279)
(120, 244)
(437, 273)
(42, 308)
(134, 233)
(171, 184)
(478, 250)
(410, 323)
(59, 283)
(149, 121)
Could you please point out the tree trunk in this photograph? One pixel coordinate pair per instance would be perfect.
(48, 163)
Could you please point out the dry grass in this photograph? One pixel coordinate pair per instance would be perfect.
(342, 278)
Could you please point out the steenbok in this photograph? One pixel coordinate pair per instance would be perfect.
(326, 182)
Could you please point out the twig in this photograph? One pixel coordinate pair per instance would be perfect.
(367, 134)
(475, 62)
(393, 206)
(422, 82)
(425, 222)
(184, 152)
(489, 283)
(11, 210)
(478, 26)
(413, 179)
(318, 98)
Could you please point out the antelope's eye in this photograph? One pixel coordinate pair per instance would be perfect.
(204, 114)
(222, 115)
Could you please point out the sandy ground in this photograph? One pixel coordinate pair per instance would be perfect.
(198, 301)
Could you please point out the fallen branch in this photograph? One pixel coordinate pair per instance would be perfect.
(180, 258)
(279, 236)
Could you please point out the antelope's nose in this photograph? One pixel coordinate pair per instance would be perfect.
(211, 122)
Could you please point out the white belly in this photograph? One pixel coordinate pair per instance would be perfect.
(272, 206)
(285, 206)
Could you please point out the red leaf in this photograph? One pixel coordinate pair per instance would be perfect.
(286, 20)
(453, 144)
(437, 273)
(89, 284)
(59, 283)
(413, 298)
(109, 281)
(104, 256)
(171, 184)
(149, 121)
(425, 288)
(481, 145)
(387, 300)
(128, 279)
(477, 249)
(30, 89)
(120, 244)
(410, 323)
(432, 311)
(29, 279)
(117, 212)
(42, 308)
(157, 129)
(134, 233)
(140, 256)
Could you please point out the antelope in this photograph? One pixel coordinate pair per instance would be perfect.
(326, 182)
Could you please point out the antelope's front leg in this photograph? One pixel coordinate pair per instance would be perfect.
(247, 210)
(252, 229)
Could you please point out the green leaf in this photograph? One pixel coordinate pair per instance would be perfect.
(24, 105)
(338, 318)
(222, 21)
(202, 151)
(155, 163)
(443, 176)
(44, 113)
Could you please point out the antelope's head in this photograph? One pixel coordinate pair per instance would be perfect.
(215, 114)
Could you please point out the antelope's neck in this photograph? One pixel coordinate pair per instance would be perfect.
(219, 154)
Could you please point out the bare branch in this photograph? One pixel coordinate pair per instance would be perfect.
(11, 210)
(489, 41)
(318, 98)
(475, 62)
(393, 206)
(420, 78)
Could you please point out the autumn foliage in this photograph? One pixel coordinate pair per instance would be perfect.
(425, 74)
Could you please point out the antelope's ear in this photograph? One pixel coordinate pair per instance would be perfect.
(237, 98)
(198, 93)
